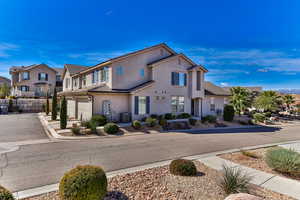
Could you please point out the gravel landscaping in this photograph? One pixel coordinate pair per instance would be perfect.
(158, 183)
(256, 163)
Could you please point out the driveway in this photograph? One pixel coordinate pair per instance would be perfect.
(20, 127)
(41, 164)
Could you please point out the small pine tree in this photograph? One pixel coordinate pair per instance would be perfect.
(54, 105)
(47, 105)
(63, 113)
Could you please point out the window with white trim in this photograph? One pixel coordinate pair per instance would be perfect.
(120, 71)
(212, 104)
(25, 75)
(142, 105)
(179, 78)
(177, 104)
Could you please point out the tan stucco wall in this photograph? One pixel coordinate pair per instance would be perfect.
(119, 103)
(218, 101)
(67, 76)
(132, 66)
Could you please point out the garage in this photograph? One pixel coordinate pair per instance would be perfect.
(85, 109)
(71, 108)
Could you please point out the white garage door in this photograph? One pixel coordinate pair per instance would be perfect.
(71, 108)
(85, 109)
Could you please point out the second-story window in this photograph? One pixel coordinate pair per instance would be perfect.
(95, 76)
(67, 82)
(43, 76)
(25, 75)
(120, 71)
(84, 80)
(142, 72)
(179, 78)
(104, 74)
(198, 79)
(75, 82)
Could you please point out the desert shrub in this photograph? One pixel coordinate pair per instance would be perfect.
(75, 130)
(233, 180)
(169, 116)
(154, 116)
(85, 124)
(151, 122)
(228, 113)
(259, 117)
(183, 116)
(183, 167)
(268, 114)
(192, 121)
(163, 123)
(250, 122)
(249, 154)
(111, 128)
(93, 126)
(160, 117)
(136, 124)
(209, 119)
(83, 182)
(284, 160)
(100, 120)
(5, 194)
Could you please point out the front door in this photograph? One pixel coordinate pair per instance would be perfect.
(193, 107)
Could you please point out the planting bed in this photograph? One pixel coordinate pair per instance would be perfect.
(158, 183)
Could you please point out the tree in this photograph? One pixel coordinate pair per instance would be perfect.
(47, 104)
(240, 99)
(63, 113)
(268, 101)
(54, 105)
(228, 114)
(4, 90)
(288, 100)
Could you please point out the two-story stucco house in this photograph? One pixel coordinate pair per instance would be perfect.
(33, 80)
(154, 80)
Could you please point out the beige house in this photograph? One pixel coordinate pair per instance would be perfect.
(215, 99)
(33, 80)
(154, 80)
(4, 81)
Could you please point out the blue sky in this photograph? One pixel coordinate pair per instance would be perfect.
(241, 42)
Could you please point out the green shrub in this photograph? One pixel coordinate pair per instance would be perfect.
(183, 167)
(54, 105)
(111, 128)
(183, 116)
(93, 126)
(83, 182)
(75, 130)
(209, 119)
(228, 113)
(169, 116)
(250, 122)
(259, 117)
(5, 194)
(151, 122)
(268, 114)
(10, 105)
(243, 122)
(233, 180)
(85, 124)
(136, 124)
(101, 120)
(63, 113)
(47, 105)
(154, 116)
(250, 154)
(163, 123)
(192, 121)
(284, 160)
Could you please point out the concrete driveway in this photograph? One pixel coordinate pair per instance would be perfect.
(41, 164)
(20, 127)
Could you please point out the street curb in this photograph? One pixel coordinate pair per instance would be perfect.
(54, 187)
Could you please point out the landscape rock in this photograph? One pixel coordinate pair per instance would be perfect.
(242, 196)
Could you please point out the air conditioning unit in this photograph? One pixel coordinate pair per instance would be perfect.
(125, 117)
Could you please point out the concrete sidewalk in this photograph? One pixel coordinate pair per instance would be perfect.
(269, 181)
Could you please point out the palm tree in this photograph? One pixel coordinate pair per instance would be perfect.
(240, 99)
(288, 100)
(268, 101)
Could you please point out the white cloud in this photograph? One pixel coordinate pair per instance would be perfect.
(5, 48)
(224, 84)
(108, 13)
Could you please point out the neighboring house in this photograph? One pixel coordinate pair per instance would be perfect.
(33, 80)
(4, 80)
(215, 99)
(154, 80)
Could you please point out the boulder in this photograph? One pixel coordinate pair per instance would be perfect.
(242, 196)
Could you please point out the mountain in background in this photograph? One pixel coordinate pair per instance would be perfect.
(289, 91)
